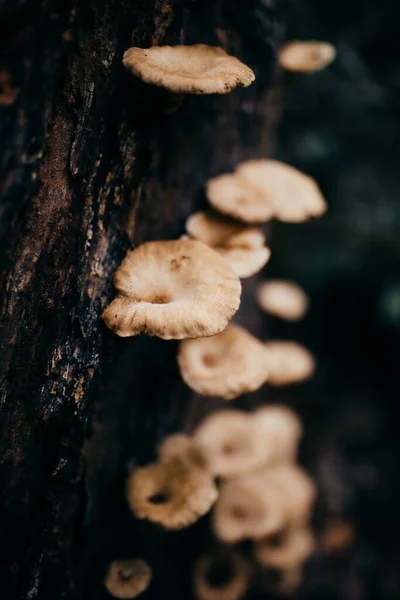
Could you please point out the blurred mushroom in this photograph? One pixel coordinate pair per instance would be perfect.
(338, 536)
(288, 362)
(173, 290)
(281, 430)
(173, 492)
(128, 578)
(197, 69)
(286, 549)
(283, 299)
(180, 445)
(306, 56)
(223, 575)
(241, 246)
(226, 365)
(289, 581)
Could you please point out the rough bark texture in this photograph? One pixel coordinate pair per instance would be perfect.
(91, 165)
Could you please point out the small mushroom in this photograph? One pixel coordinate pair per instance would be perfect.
(306, 56)
(242, 247)
(180, 445)
(281, 430)
(289, 580)
(338, 536)
(173, 492)
(287, 549)
(173, 290)
(225, 365)
(127, 578)
(223, 575)
(283, 299)
(288, 362)
(298, 492)
(198, 69)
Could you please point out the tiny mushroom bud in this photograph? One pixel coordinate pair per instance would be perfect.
(288, 362)
(198, 69)
(223, 575)
(283, 299)
(173, 290)
(127, 578)
(173, 492)
(281, 430)
(287, 549)
(306, 56)
(241, 246)
(225, 365)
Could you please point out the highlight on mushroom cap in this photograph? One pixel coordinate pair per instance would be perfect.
(221, 575)
(127, 578)
(283, 299)
(197, 69)
(287, 549)
(172, 492)
(288, 362)
(174, 290)
(306, 56)
(226, 365)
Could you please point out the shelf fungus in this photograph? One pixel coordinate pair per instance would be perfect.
(127, 578)
(225, 365)
(173, 492)
(173, 290)
(283, 299)
(288, 363)
(286, 549)
(306, 56)
(197, 69)
(241, 246)
(221, 575)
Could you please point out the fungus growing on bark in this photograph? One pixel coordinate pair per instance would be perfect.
(128, 578)
(197, 69)
(306, 56)
(283, 299)
(287, 549)
(223, 575)
(173, 290)
(241, 246)
(281, 430)
(288, 362)
(225, 365)
(173, 492)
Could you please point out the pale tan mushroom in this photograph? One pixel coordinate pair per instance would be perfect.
(241, 246)
(288, 362)
(287, 549)
(283, 299)
(186, 449)
(223, 575)
(197, 69)
(173, 290)
(127, 578)
(173, 492)
(226, 365)
(281, 430)
(291, 196)
(306, 56)
(289, 581)
(297, 489)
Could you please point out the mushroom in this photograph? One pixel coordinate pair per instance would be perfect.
(173, 492)
(223, 575)
(127, 578)
(289, 581)
(338, 536)
(283, 299)
(198, 69)
(306, 56)
(288, 362)
(287, 549)
(242, 247)
(281, 430)
(226, 365)
(180, 445)
(173, 290)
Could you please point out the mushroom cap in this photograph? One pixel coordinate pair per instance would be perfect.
(226, 365)
(235, 196)
(180, 445)
(306, 56)
(290, 195)
(174, 290)
(288, 362)
(287, 549)
(127, 578)
(337, 536)
(247, 508)
(241, 246)
(198, 69)
(283, 299)
(223, 575)
(281, 429)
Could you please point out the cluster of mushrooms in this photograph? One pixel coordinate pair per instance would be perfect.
(241, 465)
